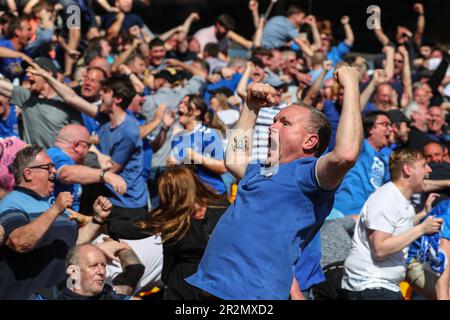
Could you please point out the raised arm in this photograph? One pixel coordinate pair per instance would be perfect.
(114, 29)
(306, 49)
(420, 30)
(239, 149)
(233, 36)
(317, 43)
(102, 209)
(332, 167)
(349, 35)
(147, 128)
(257, 37)
(389, 67)
(379, 77)
(378, 30)
(105, 5)
(406, 78)
(253, 6)
(122, 58)
(315, 88)
(9, 53)
(243, 83)
(195, 71)
(132, 271)
(67, 94)
(186, 27)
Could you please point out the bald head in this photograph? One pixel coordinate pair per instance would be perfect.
(73, 139)
(73, 132)
(75, 254)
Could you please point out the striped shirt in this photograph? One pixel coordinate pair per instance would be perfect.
(261, 134)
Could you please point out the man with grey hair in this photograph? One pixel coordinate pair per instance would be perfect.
(252, 250)
(38, 229)
(418, 115)
(86, 274)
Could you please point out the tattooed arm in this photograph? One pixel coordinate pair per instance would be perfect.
(133, 269)
(239, 148)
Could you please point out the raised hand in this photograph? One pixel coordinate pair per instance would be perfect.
(260, 95)
(418, 7)
(160, 112)
(311, 20)
(63, 201)
(253, 5)
(102, 208)
(379, 77)
(347, 76)
(194, 16)
(430, 200)
(403, 51)
(345, 20)
(169, 118)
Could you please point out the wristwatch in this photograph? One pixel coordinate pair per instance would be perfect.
(98, 221)
(102, 175)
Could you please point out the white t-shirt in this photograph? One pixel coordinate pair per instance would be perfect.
(150, 252)
(386, 210)
(205, 36)
(433, 64)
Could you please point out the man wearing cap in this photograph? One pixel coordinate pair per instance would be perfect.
(44, 113)
(400, 131)
(265, 119)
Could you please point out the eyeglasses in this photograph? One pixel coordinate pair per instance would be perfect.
(48, 167)
(385, 124)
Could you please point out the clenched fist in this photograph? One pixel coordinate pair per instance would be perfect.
(102, 208)
(347, 76)
(63, 201)
(260, 95)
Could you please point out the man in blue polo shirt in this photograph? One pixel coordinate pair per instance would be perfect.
(278, 208)
(38, 230)
(68, 154)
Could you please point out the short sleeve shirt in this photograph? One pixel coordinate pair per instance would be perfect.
(254, 247)
(22, 274)
(43, 118)
(386, 210)
(207, 142)
(61, 159)
(124, 145)
(277, 32)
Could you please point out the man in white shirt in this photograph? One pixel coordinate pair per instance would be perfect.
(216, 33)
(376, 264)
